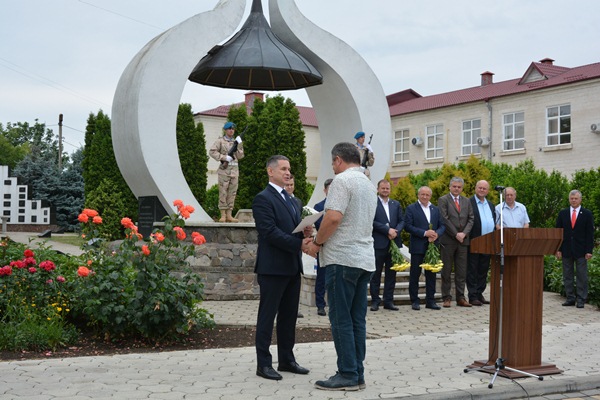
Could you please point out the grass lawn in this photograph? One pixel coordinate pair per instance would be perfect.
(72, 239)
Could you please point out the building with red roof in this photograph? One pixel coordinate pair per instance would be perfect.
(546, 115)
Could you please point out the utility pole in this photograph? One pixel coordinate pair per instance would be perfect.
(60, 150)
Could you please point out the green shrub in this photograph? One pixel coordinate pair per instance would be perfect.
(211, 204)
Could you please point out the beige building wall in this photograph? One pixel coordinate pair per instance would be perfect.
(581, 153)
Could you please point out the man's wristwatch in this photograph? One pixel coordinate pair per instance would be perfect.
(315, 242)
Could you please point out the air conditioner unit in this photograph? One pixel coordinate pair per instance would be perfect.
(417, 141)
(595, 128)
(483, 141)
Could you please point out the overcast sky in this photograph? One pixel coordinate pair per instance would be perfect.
(66, 56)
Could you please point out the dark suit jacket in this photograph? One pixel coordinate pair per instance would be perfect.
(476, 230)
(320, 206)
(279, 251)
(381, 224)
(416, 224)
(577, 241)
(454, 221)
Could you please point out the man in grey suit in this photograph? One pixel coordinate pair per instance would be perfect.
(457, 216)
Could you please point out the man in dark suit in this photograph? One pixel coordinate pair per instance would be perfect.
(387, 225)
(320, 281)
(422, 221)
(290, 186)
(484, 221)
(457, 216)
(576, 249)
(278, 268)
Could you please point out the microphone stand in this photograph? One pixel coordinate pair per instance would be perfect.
(499, 364)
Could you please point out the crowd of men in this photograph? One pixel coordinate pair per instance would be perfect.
(352, 246)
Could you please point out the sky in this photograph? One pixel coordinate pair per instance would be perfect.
(66, 56)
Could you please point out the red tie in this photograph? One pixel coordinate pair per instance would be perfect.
(573, 218)
(457, 204)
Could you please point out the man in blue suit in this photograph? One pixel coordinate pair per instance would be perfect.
(387, 225)
(320, 281)
(576, 249)
(278, 268)
(423, 222)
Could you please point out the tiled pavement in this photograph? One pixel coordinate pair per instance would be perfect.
(411, 354)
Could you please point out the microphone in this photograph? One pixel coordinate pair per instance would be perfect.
(499, 188)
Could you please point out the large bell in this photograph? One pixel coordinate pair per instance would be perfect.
(255, 59)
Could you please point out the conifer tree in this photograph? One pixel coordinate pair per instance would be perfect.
(191, 146)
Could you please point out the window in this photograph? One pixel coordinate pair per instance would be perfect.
(21, 211)
(33, 219)
(8, 182)
(7, 204)
(435, 141)
(34, 205)
(401, 140)
(7, 196)
(471, 131)
(513, 126)
(559, 125)
(21, 203)
(21, 218)
(22, 189)
(6, 213)
(22, 196)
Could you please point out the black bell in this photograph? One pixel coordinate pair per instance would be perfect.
(255, 59)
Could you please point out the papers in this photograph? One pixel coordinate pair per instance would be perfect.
(308, 221)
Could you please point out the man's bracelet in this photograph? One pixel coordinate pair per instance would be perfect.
(315, 242)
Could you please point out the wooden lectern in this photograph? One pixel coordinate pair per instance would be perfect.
(523, 282)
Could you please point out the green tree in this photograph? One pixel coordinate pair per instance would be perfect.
(274, 128)
(99, 164)
(191, 146)
(10, 155)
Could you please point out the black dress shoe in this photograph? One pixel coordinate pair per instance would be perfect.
(433, 306)
(416, 306)
(292, 367)
(580, 304)
(268, 373)
(374, 307)
(483, 300)
(569, 303)
(321, 311)
(391, 307)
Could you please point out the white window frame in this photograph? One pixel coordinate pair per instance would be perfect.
(401, 145)
(434, 141)
(471, 131)
(556, 118)
(513, 131)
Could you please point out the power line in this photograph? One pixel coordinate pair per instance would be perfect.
(121, 15)
(48, 82)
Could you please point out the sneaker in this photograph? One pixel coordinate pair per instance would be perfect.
(337, 382)
(321, 311)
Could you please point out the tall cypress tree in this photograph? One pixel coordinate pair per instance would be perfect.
(191, 146)
(274, 128)
(100, 168)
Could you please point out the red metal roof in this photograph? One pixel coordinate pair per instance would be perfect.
(408, 101)
(553, 76)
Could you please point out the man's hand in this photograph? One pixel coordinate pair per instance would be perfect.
(588, 256)
(392, 234)
(460, 236)
(228, 158)
(305, 244)
(312, 249)
(559, 255)
(368, 146)
(238, 139)
(308, 231)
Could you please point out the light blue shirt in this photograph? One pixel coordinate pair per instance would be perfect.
(515, 217)
(485, 214)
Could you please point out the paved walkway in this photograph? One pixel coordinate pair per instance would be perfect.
(416, 355)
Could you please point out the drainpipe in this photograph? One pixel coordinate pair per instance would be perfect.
(489, 107)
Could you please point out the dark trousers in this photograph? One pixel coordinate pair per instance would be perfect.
(415, 274)
(477, 272)
(575, 270)
(454, 254)
(320, 286)
(279, 297)
(383, 259)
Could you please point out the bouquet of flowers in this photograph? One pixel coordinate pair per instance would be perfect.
(306, 211)
(432, 261)
(399, 264)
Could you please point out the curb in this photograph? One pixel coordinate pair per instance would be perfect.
(525, 390)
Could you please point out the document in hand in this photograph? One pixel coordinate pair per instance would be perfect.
(308, 221)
